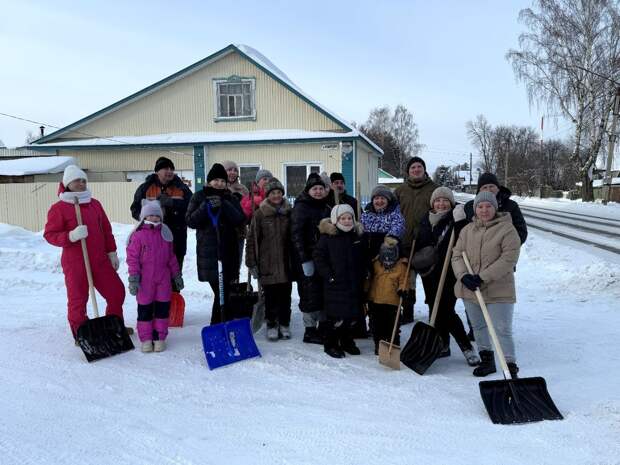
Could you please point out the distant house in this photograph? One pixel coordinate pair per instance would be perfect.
(465, 183)
(235, 104)
(389, 180)
(33, 169)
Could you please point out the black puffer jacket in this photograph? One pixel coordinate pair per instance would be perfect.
(340, 259)
(344, 198)
(231, 216)
(307, 214)
(504, 204)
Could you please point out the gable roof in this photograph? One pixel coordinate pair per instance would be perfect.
(247, 52)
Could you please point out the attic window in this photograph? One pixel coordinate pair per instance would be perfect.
(235, 98)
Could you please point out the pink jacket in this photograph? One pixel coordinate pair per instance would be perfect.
(246, 201)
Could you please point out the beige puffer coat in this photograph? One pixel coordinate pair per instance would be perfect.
(493, 251)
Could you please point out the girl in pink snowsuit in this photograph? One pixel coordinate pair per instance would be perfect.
(152, 267)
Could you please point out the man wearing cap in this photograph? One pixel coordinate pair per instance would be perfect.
(338, 191)
(487, 182)
(414, 196)
(173, 195)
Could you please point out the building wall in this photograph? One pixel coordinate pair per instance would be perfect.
(187, 105)
(111, 160)
(367, 169)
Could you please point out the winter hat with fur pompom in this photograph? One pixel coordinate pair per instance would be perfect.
(340, 210)
(72, 172)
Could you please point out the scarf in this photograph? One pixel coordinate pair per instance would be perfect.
(435, 217)
(69, 197)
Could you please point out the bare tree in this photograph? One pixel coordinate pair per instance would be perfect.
(480, 134)
(405, 133)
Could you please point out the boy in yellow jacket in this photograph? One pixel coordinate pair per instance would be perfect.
(387, 285)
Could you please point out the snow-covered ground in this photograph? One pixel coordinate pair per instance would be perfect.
(295, 405)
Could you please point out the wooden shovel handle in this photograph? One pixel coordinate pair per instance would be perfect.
(442, 279)
(487, 318)
(400, 302)
(89, 274)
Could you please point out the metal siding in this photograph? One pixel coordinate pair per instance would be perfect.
(187, 105)
(131, 160)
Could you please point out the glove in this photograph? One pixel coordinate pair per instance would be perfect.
(471, 281)
(308, 268)
(114, 260)
(458, 213)
(79, 233)
(254, 272)
(178, 282)
(404, 293)
(214, 201)
(134, 284)
(165, 200)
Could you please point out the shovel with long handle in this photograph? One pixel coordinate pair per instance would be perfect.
(389, 353)
(103, 336)
(518, 400)
(258, 315)
(425, 343)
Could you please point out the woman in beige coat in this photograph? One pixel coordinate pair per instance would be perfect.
(492, 246)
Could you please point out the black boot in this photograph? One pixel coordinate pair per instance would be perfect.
(313, 336)
(487, 364)
(346, 342)
(407, 313)
(514, 370)
(331, 345)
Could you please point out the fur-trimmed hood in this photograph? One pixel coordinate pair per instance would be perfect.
(327, 227)
(268, 209)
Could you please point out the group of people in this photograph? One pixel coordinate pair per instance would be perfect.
(348, 263)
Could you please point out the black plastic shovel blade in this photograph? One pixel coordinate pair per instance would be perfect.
(521, 400)
(103, 337)
(422, 348)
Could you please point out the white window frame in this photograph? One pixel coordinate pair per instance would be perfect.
(216, 98)
(248, 165)
(307, 164)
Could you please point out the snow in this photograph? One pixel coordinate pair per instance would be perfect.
(390, 180)
(599, 182)
(295, 405)
(35, 165)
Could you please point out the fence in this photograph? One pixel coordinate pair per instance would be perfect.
(26, 205)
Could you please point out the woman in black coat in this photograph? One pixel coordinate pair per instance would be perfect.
(219, 200)
(432, 241)
(340, 260)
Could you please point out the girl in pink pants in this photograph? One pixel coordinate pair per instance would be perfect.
(152, 268)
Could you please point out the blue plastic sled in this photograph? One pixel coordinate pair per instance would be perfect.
(229, 342)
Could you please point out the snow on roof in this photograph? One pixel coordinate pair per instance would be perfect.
(202, 138)
(391, 180)
(599, 182)
(35, 165)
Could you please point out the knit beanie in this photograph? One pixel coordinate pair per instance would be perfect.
(313, 180)
(163, 162)
(72, 172)
(485, 196)
(339, 210)
(382, 191)
(443, 193)
(272, 185)
(388, 255)
(228, 164)
(150, 207)
(413, 160)
(217, 171)
(336, 177)
(487, 178)
(260, 174)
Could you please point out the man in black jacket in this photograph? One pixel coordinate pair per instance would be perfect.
(338, 188)
(173, 195)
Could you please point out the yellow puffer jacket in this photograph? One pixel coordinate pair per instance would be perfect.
(385, 283)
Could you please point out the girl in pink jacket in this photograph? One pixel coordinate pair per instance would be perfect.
(152, 268)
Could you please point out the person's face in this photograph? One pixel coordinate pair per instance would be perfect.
(78, 185)
(317, 192)
(338, 186)
(416, 170)
(261, 182)
(492, 188)
(441, 204)
(379, 202)
(165, 175)
(153, 218)
(276, 196)
(218, 183)
(233, 174)
(346, 220)
(485, 211)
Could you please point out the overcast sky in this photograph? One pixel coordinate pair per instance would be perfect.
(444, 60)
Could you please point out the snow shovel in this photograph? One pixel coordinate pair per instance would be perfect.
(389, 353)
(425, 343)
(230, 341)
(258, 314)
(104, 336)
(177, 310)
(510, 401)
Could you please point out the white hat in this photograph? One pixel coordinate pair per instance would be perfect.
(72, 172)
(339, 210)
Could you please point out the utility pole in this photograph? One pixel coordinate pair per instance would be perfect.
(610, 151)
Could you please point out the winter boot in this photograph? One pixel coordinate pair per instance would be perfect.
(312, 336)
(331, 345)
(471, 357)
(159, 346)
(272, 333)
(514, 370)
(285, 332)
(147, 346)
(347, 343)
(487, 364)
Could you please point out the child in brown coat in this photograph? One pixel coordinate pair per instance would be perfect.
(388, 283)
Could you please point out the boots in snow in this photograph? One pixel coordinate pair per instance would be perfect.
(471, 357)
(159, 346)
(487, 364)
(331, 345)
(272, 333)
(147, 346)
(285, 332)
(514, 370)
(348, 345)
(313, 336)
